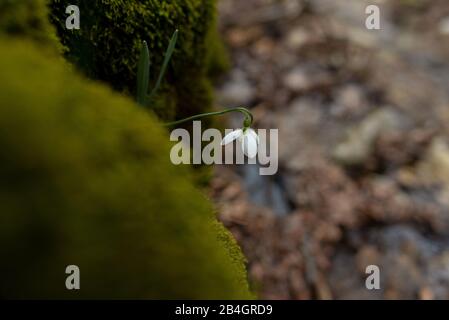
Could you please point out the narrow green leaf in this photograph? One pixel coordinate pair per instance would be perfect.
(168, 55)
(143, 74)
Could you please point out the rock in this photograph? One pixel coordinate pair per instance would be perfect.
(399, 251)
(303, 78)
(264, 49)
(443, 26)
(367, 255)
(349, 100)
(435, 165)
(238, 91)
(303, 116)
(434, 168)
(296, 38)
(359, 144)
(438, 277)
(239, 37)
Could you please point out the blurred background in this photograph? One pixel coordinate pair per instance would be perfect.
(363, 147)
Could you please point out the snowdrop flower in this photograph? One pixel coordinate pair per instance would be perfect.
(248, 139)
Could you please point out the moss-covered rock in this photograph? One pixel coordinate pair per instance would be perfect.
(108, 44)
(27, 19)
(85, 179)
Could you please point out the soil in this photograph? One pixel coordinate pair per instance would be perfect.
(363, 147)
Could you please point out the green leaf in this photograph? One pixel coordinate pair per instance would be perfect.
(168, 54)
(143, 74)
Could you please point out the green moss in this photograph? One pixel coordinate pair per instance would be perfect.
(86, 179)
(108, 44)
(27, 19)
(218, 60)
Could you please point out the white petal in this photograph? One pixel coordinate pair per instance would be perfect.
(254, 134)
(249, 145)
(231, 136)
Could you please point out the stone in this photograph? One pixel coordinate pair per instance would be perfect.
(359, 144)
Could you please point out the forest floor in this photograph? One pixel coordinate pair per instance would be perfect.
(363, 119)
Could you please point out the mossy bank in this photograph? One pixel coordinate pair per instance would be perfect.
(85, 179)
(107, 47)
(28, 19)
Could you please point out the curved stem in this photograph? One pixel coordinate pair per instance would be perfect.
(246, 112)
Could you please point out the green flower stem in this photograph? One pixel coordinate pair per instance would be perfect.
(246, 124)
